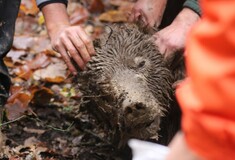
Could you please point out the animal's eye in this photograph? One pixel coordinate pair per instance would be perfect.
(141, 64)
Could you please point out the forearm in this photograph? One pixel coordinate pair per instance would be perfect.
(42, 3)
(71, 42)
(56, 17)
(193, 5)
(187, 17)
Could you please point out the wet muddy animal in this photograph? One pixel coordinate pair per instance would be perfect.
(127, 88)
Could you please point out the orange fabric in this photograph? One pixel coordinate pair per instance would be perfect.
(207, 97)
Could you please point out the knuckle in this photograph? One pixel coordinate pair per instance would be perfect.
(86, 59)
(64, 35)
(56, 46)
(67, 31)
(72, 51)
(87, 42)
(81, 46)
(67, 61)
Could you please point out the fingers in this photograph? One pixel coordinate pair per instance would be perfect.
(166, 43)
(75, 54)
(73, 42)
(85, 42)
(61, 49)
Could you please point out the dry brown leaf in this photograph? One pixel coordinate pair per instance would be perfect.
(15, 55)
(14, 91)
(23, 97)
(23, 72)
(33, 130)
(79, 16)
(29, 7)
(97, 31)
(17, 80)
(55, 72)
(96, 6)
(27, 42)
(120, 3)
(18, 106)
(41, 95)
(23, 42)
(8, 62)
(26, 25)
(41, 60)
(42, 43)
(113, 16)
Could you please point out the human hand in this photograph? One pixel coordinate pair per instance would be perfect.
(148, 12)
(72, 42)
(173, 37)
(180, 150)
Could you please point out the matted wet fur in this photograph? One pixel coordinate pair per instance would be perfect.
(127, 90)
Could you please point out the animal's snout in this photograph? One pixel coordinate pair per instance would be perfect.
(136, 108)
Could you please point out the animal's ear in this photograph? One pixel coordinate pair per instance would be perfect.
(177, 65)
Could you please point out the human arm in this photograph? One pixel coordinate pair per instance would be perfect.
(172, 38)
(148, 12)
(69, 41)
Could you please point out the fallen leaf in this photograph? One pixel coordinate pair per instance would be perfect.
(14, 90)
(23, 42)
(29, 7)
(8, 62)
(29, 43)
(17, 108)
(25, 71)
(97, 31)
(41, 60)
(42, 43)
(113, 16)
(33, 130)
(96, 6)
(32, 141)
(41, 95)
(79, 16)
(23, 97)
(120, 3)
(15, 55)
(41, 19)
(26, 25)
(55, 72)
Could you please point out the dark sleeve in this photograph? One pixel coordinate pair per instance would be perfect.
(42, 3)
(8, 14)
(194, 5)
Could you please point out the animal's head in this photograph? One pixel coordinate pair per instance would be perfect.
(129, 81)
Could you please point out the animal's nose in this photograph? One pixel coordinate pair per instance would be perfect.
(135, 108)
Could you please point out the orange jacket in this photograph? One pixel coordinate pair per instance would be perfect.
(207, 97)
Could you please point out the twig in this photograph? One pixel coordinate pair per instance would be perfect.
(6, 123)
(52, 127)
(62, 130)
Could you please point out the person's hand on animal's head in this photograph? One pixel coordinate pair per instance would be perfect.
(71, 42)
(173, 37)
(148, 12)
